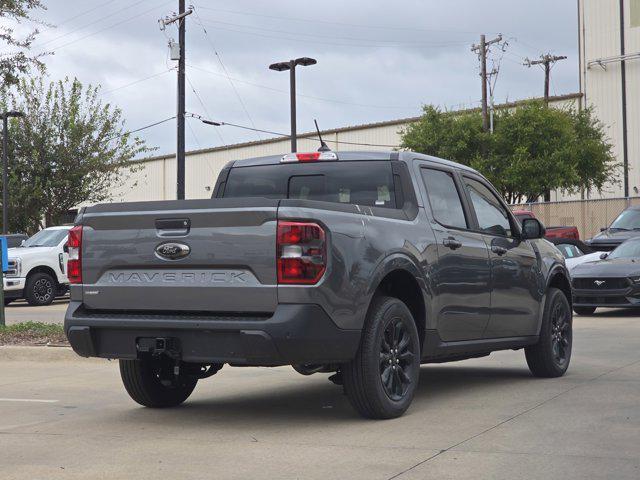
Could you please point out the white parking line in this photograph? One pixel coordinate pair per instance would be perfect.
(28, 400)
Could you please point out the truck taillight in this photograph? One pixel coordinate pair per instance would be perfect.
(74, 263)
(302, 252)
(308, 157)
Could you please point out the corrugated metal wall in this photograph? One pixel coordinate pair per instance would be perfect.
(600, 38)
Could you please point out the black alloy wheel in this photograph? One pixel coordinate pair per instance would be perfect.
(550, 357)
(396, 359)
(381, 380)
(561, 333)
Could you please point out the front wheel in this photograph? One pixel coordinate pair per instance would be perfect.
(585, 311)
(151, 383)
(381, 380)
(551, 355)
(40, 289)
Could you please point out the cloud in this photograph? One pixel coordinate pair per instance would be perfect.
(376, 60)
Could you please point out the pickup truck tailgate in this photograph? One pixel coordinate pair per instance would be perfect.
(229, 262)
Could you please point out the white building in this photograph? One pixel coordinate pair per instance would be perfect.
(155, 178)
(609, 41)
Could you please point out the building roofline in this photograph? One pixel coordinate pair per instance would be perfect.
(385, 123)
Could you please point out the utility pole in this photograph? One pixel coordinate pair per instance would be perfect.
(547, 61)
(180, 114)
(5, 166)
(482, 49)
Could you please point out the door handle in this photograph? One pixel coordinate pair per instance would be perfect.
(451, 243)
(498, 250)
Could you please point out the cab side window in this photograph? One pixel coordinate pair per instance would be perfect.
(444, 198)
(492, 216)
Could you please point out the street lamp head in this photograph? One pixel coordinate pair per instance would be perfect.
(280, 66)
(13, 113)
(305, 61)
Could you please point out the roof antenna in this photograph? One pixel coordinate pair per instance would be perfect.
(323, 146)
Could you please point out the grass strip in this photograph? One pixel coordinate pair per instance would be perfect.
(32, 333)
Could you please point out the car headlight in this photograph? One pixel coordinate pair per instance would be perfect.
(15, 267)
(635, 279)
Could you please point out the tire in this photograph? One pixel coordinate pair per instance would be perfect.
(550, 357)
(40, 289)
(7, 301)
(141, 380)
(374, 387)
(584, 311)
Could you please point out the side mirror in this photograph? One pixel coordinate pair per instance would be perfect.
(22, 243)
(603, 255)
(603, 229)
(532, 229)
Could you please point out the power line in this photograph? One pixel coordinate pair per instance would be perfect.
(138, 81)
(335, 44)
(108, 27)
(323, 99)
(330, 22)
(357, 39)
(92, 23)
(224, 69)
(284, 135)
(81, 14)
(139, 129)
(204, 107)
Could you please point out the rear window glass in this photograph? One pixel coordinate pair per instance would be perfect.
(368, 183)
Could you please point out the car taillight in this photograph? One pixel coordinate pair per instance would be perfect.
(302, 252)
(74, 263)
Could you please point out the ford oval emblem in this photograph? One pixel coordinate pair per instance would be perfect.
(172, 250)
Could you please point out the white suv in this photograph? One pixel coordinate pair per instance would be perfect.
(37, 269)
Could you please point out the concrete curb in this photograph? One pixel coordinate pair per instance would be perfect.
(17, 353)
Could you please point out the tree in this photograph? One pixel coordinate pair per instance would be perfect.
(15, 61)
(533, 149)
(69, 149)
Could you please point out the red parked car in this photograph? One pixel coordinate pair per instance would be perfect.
(552, 232)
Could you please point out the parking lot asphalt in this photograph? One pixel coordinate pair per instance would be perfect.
(21, 311)
(476, 419)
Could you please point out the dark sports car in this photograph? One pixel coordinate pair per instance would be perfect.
(612, 281)
(625, 226)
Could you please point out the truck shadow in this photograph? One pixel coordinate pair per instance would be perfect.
(319, 401)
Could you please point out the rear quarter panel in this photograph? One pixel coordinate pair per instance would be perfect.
(362, 247)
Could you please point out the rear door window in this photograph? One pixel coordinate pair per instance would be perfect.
(368, 183)
(444, 198)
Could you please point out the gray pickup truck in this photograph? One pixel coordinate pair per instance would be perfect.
(360, 264)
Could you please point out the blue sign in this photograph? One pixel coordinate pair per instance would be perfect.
(5, 254)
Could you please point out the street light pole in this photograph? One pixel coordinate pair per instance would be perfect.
(291, 66)
(5, 167)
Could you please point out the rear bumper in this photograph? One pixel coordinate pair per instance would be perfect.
(293, 334)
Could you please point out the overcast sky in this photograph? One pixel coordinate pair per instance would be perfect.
(377, 60)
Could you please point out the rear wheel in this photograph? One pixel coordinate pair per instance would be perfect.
(40, 289)
(380, 382)
(148, 383)
(584, 310)
(551, 355)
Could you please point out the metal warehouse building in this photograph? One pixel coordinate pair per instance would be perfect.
(609, 59)
(156, 177)
(609, 42)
